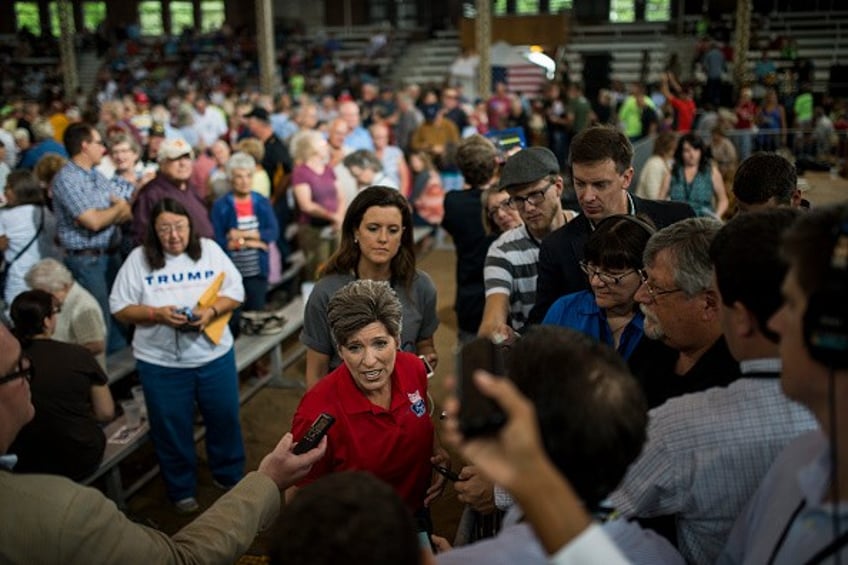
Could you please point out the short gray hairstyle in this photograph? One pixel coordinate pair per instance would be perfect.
(49, 275)
(364, 159)
(240, 160)
(688, 243)
(361, 303)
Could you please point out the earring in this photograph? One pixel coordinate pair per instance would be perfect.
(355, 241)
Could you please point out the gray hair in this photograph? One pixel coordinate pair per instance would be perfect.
(49, 275)
(303, 144)
(361, 303)
(363, 159)
(240, 160)
(688, 243)
(122, 137)
(42, 129)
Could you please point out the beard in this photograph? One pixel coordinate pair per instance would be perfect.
(652, 327)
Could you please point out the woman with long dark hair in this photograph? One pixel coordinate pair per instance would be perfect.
(180, 359)
(70, 393)
(695, 179)
(376, 243)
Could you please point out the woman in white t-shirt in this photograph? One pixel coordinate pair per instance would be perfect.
(27, 230)
(158, 289)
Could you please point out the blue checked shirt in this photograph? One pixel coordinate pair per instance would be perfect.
(76, 190)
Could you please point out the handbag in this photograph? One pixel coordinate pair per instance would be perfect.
(4, 271)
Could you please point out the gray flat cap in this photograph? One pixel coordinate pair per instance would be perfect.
(527, 166)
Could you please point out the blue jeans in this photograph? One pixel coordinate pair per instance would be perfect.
(170, 394)
(255, 297)
(96, 274)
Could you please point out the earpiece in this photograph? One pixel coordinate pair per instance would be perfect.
(826, 317)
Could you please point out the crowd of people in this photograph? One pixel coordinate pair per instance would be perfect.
(678, 368)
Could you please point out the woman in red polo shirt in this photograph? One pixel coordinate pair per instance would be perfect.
(378, 397)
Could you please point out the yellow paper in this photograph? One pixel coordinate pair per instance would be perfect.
(215, 329)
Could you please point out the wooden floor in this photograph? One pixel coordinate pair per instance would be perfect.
(267, 416)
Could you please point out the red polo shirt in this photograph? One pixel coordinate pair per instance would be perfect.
(395, 444)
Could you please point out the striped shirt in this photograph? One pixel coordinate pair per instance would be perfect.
(511, 268)
(76, 190)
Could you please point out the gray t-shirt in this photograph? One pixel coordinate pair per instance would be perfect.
(419, 314)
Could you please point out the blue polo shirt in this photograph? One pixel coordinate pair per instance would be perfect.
(580, 312)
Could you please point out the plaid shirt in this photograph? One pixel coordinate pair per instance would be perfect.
(76, 190)
(706, 454)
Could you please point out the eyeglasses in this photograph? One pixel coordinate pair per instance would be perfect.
(535, 198)
(98, 142)
(166, 229)
(504, 206)
(24, 371)
(605, 277)
(652, 290)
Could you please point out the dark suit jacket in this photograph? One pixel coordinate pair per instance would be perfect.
(561, 252)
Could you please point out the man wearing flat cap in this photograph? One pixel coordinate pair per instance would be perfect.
(601, 160)
(532, 179)
(172, 181)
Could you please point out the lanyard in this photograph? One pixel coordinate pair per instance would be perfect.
(835, 545)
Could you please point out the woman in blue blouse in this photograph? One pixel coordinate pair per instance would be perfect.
(608, 312)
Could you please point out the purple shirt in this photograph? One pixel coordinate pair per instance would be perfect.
(323, 188)
(161, 187)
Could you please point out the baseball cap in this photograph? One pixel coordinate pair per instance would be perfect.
(259, 113)
(157, 130)
(174, 149)
(141, 98)
(527, 166)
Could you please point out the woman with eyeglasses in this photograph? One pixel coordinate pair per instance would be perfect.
(70, 393)
(181, 360)
(613, 262)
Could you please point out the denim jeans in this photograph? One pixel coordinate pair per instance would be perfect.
(255, 297)
(170, 394)
(96, 274)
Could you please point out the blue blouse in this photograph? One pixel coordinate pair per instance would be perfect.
(580, 312)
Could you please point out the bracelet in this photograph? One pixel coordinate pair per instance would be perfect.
(152, 313)
(215, 310)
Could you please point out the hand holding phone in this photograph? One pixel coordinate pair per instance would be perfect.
(313, 435)
(428, 368)
(446, 473)
(479, 415)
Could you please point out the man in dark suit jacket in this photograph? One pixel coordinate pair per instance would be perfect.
(602, 170)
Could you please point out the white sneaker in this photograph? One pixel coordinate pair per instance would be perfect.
(187, 505)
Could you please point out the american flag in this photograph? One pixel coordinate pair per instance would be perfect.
(528, 79)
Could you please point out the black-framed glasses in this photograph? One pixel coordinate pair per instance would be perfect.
(652, 290)
(24, 371)
(535, 198)
(605, 277)
(504, 206)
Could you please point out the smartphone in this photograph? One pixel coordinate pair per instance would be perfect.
(427, 367)
(313, 435)
(447, 473)
(478, 414)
